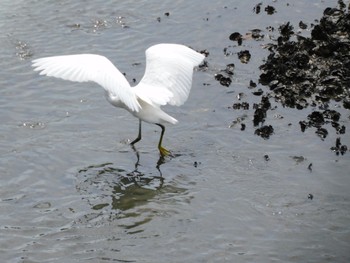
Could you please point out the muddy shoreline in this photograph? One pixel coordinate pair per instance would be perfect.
(300, 72)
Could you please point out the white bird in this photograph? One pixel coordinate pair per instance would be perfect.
(167, 80)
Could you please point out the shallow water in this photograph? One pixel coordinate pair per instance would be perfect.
(72, 189)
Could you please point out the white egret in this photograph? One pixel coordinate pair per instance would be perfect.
(167, 80)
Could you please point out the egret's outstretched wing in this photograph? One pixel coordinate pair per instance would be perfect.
(168, 74)
(89, 67)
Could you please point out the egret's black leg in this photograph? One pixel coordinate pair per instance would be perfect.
(138, 136)
(162, 151)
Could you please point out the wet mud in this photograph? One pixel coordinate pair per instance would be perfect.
(300, 72)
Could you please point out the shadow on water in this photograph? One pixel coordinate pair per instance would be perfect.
(130, 198)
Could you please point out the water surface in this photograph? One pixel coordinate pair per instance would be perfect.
(72, 189)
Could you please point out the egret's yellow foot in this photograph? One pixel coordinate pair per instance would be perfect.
(164, 152)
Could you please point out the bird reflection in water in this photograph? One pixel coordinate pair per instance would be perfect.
(161, 160)
(116, 194)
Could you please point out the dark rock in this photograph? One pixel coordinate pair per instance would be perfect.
(346, 104)
(236, 106)
(264, 131)
(270, 10)
(265, 103)
(257, 35)
(224, 77)
(259, 116)
(205, 52)
(224, 80)
(322, 133)
(310, 167)
(316, 118)
(286, 30)
(339, 148)
(312, 71)
(302, 25)
(332, 115)
(303, 71)
(245, 105)
(303, 125)
(236, 37)
(341, 4)
(343, 149)
(257, 8)
(252, 84)
(229, 68)
(244, 56)
(259, 92)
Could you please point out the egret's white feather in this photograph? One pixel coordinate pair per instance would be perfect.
(168, 74)
(89, 67)
(167, 78)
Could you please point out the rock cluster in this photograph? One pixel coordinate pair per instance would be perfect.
(303, 71)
